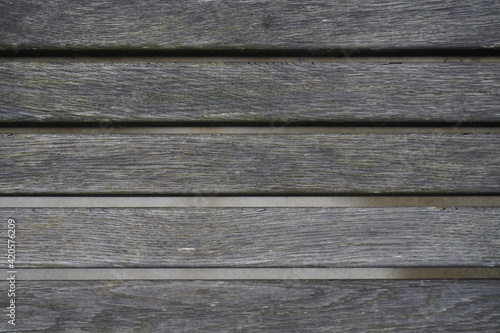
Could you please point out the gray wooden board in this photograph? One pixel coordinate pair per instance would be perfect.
(131, 91)
(254, 24)
(251, 237)
(249, 164)
(257, 306)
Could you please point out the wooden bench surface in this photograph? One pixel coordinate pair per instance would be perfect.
(257, 237)
(254, 93)
(251, 166)
(249, 24)
(277, 306)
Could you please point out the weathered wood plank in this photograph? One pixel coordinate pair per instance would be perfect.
(263, 306)
(272, 237)
(104, 24)
(248, 92)
(245, 164)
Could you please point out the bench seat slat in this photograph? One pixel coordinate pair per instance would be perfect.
(109, 92)
(254, 24)
(270, 306)
(249, 164)
(257, 237)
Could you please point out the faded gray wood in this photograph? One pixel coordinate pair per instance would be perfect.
(253, 24)
(131, 91)
(272, 237)
(264, 306)
(247, 164)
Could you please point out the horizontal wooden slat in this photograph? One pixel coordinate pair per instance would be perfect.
(108, 92)
(252, 237)
(236, 164)
(258, 306)
(253, 24)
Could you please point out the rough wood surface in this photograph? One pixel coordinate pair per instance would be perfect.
(254, 24)
(248, 92)
(273, 237)
(264, 306)
(247, 164)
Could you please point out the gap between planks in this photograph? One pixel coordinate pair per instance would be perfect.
(146, 59)
(245, 201)
(111, 128)
(257, 273)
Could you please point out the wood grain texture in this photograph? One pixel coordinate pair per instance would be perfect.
(254, 24)
(264, 306)
(110, 92)
(272, 237)
(245, 164)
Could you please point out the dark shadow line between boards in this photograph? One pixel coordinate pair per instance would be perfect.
(247, 52)
(106, 122)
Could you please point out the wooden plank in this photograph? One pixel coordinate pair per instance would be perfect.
(110, 92)
(245, 164)
(250, 306)
(255, 237)
(254, 24)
